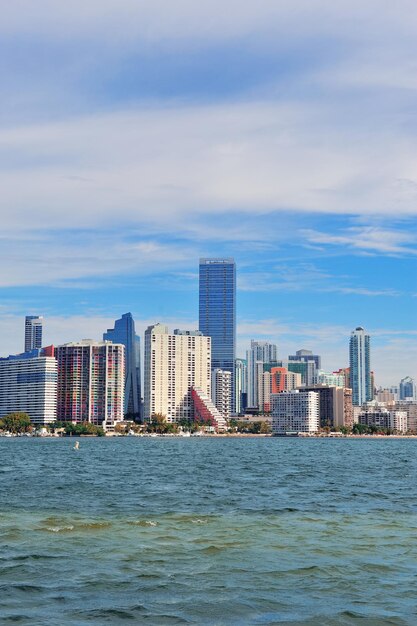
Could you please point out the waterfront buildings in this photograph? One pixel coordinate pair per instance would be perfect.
(28, 383)
(174, 364)
(381, 417)
(205, 412)
(124, 332)
(295, 412)
(333, 406)
(360, 367)
(33, 332)
(221, 390)
(91, 380)
(217, 313)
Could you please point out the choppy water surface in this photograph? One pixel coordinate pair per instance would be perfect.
(208, 531)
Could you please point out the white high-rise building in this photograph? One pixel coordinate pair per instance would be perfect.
(174, 363)
(295, 412)
(33, 332)
(221, 390)
(29, 385)
(360, 367)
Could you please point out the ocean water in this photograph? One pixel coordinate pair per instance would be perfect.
(208, 531)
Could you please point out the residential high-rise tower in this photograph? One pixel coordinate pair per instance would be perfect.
(91, 377)
(360, 367)
(175, 363)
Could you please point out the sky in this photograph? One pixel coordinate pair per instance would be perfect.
(139, 135)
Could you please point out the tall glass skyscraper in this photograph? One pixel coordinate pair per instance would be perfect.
(360, 367)
(217, 319)
(124, 332)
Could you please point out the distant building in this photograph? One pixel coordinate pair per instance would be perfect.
(360, 367)
(410, 407)
(240, 385)
(384, 395)
(33, 332)
(260, 354)
(407, 389)
(345, 372)
(313, 362)
(348, 408)
(331, 405)
(221, 391)
(28, 383)
(333, 379)
(124, 332)
(295, 412)
(91, 380)
(217, 313)
(381, 417)
(284, 380)
(174, 364)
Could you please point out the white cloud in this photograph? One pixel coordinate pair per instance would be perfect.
(167, 165)
(56, 258)
(375, 239)
(119, 20)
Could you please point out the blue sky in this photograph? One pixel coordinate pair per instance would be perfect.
(137, 136)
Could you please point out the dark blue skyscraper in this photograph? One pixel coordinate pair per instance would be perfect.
(124, 332)
(217, 304)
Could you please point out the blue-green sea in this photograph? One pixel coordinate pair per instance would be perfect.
(208, 531)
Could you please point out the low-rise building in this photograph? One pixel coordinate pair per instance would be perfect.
(381, 417)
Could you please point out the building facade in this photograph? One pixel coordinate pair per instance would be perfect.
(283, 380)
(381, 417)
(221, 391)
(124, 332)
(240, 386)
(91, 381)
(331, 405)
(407, 389)
(259, 354)
(295, 412)
(312, 361)
(333, 379)
(33, 332)
(28, 384)
(360, 367)
(217, 313)
(174, 364)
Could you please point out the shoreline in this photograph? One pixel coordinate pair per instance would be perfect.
(211, 436)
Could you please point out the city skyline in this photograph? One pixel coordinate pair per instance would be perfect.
(281, 137)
